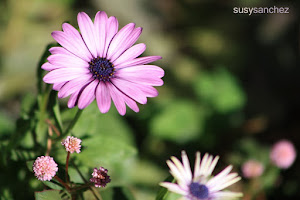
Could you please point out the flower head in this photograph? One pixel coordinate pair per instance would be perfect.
(100, 177)
(200, 185)
(72, 144)
(45, 168)
(283, 154)
(101, 63)
(252, 168)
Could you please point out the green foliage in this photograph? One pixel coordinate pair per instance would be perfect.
(6, 124)
(179, 121)
(269, 177)
(220, 90)
(51, 194)
(53, 185)
(163, 192)
(117, 193)
(56, 110)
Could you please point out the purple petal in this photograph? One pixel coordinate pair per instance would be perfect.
(148, 90)
(59, 50)
(144, 70)
(131, 103)
(111, 30)
(62, 60)
(73, 99)
(117, 98)
(87, 30)
(128, 42)
(74, 85)
(130, 89)
(87, 95)
(130, 54)
(138, 61)
(100, 27)
(64, 74)
(119, 39)
(58, 86)
(103, 97)
(48, 67)
(142, 74)
(145, 81)
(72, 41)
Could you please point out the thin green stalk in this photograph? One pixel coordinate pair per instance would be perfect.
(73, 122)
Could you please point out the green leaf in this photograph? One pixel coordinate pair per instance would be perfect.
(27, 106)
(53, 185)
(220, 90)
(29, 165)
(179, 121)
(145, 173)
(6, 124)
(163, 192)
(173, 196)
(51, 195)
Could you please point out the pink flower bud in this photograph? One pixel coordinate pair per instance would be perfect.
(100, 177)
(45, 168)
(72, 144)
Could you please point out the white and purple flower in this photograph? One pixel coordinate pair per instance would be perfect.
(99, 62)
(201, 185)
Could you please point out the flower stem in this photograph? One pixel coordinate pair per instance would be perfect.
(49, 141)
(82, 186)
(63, 183)
(67, 167)
(73, 122)
(96, 194)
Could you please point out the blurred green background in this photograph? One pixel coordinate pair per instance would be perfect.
(231, 89)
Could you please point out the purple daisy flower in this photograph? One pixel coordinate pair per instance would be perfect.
(201, 185)
(100, 62)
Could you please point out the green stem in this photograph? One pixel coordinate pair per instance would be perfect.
(83, 186)
(73, 122)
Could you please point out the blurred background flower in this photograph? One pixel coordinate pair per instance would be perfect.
(252, 169)
(283, 154)
(231, 88)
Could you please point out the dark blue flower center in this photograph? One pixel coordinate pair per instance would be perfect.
(101, 69)
(199, 191)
